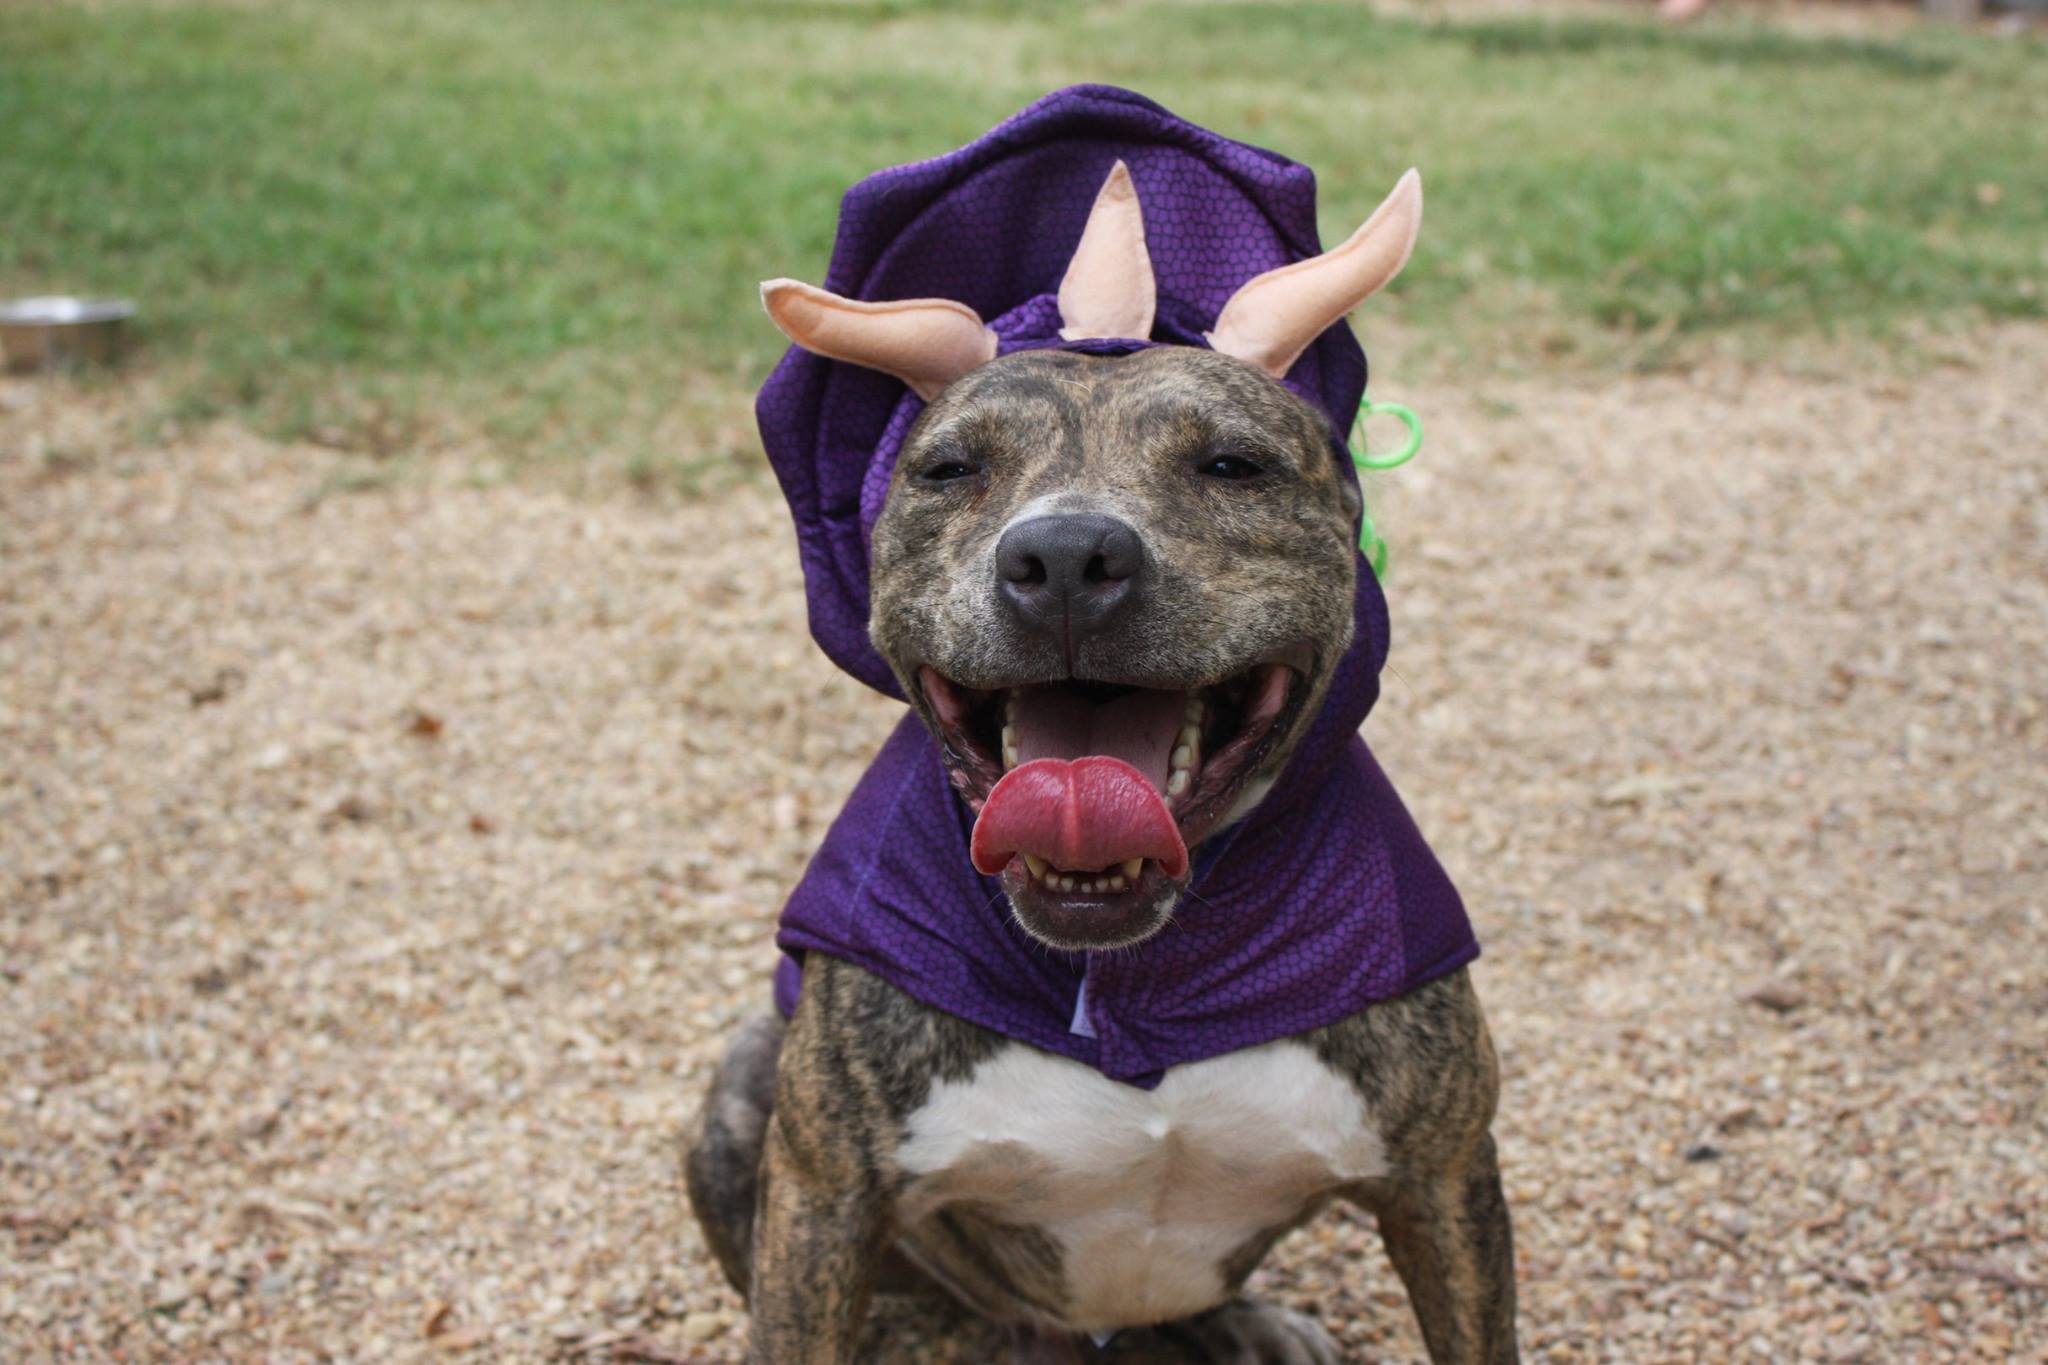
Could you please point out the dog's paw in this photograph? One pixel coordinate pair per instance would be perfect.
(1246, 1332)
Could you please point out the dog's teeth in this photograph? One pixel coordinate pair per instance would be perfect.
(1182, 757)
(1009, 746)
(1132, 867)
(1037, 865)
(1116, 883)
(1193, 712)
(1062, 883)
(1191, 736)
(1177, 785)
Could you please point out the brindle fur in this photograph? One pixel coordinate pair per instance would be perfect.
(860, 1057)
(792, 1164)
(1235, 572)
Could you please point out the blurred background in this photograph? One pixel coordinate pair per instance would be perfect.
(542, 223)
(408, 729)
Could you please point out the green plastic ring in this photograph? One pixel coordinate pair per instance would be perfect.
(1374, 547)
(1370, 542)
(1368, 408)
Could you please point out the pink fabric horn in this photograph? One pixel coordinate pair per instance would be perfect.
(926, 343)
(1274, 317)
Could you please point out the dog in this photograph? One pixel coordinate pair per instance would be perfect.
(1115, 587)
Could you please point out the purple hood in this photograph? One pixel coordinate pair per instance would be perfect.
(1326, 899)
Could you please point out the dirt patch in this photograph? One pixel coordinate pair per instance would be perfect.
(381, 862)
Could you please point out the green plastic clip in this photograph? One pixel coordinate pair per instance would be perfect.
(1370, 543)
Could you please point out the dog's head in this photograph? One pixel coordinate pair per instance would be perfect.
(1113, 586)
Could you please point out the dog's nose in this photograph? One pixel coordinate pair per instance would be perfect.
(1069, 573)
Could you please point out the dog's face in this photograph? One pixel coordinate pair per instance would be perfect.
(1147, 557)
(1113, 587)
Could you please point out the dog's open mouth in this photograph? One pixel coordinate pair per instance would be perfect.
(1088, 792)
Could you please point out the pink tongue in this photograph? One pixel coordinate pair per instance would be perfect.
(1079, 815)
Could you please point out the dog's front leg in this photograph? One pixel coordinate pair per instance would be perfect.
(819, 1234)
(1427, 1070)
(822, 1215)
(1447, 1235)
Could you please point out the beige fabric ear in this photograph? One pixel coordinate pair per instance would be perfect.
(926, 343)
(1274, 318)
(1108, 290)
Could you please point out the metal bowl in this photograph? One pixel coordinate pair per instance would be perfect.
(57, 332)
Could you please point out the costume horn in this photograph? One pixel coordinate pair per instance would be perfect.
(1273, 318)
(926, 343)
(1108, 289)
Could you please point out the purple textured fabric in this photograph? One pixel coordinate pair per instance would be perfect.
(1326, 899)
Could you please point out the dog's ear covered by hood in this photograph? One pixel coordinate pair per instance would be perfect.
(1108, 293)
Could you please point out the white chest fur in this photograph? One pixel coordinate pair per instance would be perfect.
(1147, 1192)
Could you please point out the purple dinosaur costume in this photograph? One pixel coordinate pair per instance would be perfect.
(1325, 899)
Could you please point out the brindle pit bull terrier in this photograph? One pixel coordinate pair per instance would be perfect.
(1164, 531)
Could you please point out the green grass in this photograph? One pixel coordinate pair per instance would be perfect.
(546, 220)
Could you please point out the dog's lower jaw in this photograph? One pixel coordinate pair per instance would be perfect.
(1087, 923)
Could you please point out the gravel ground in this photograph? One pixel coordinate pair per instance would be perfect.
(380, 867)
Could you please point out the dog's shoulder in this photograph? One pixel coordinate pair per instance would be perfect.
(1425, 1065)
(869, 1051)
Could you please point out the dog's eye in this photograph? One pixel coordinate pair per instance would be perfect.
(1230, 467)
(948, 470)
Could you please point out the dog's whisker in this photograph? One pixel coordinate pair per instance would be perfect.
(1402, 678)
